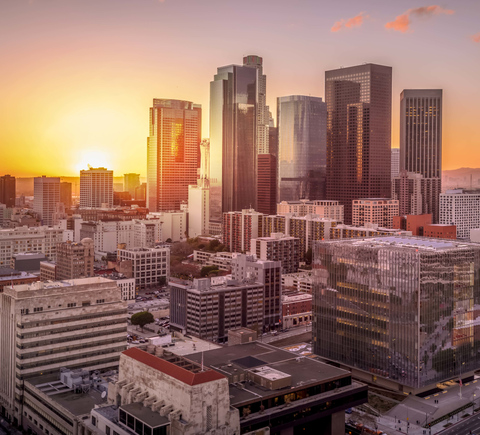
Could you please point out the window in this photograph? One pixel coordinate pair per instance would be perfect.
(72, 304)
(100, 301)
(94, 421)
(107, 430)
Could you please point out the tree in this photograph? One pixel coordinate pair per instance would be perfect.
(207, 270)
(142, 318)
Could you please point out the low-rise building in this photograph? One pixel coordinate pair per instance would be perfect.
(322, 208)
(150, 267)
(10, 276)
(48, 271)
(27, 261)
(440, 231)
(414, 223)
(296, 309)
(301, 281)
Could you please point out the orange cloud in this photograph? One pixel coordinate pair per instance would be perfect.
(476, 37)
(355, 21)
(402, 22)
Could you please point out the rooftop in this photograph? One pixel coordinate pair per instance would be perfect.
(255, 355)
(65, 283)
(145, 414)
(176, 366)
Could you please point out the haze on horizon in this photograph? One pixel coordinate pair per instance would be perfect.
(78, 77)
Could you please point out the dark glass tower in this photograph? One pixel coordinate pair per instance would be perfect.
(233, 141)
(302, 131)
(7, 190)
(421, 142)
(359, 102)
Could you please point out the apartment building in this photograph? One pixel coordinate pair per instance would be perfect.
(322, 208)
(461, 207)
(378, 211)
(278, 247)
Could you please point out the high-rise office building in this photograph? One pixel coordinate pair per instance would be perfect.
(263, 112)
(359, 105)
(267, 184)
(400, 311)
(395, 165)
(66, 194)
(96, 188)
(407, 187)
(46, 195)
(172, 152)
(7, 190)
(130, 183)
(302, 135)
(461, 207)
(233, 141)
(421, 142)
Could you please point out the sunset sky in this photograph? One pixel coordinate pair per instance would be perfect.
(77, 76)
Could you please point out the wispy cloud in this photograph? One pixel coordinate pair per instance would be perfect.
(402, 22)
(476, 37)
(355, 21)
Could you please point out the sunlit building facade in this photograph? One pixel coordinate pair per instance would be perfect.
(46, 195)
(233, 140)
(173, 148)
(302, 136)
(359, 107)
(96, 188)
(421, 142)
(399, 311)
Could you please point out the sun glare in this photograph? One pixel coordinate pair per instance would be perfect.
(93, 158)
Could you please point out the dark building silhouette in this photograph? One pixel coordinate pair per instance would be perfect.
(359, 101)
(267, 184)
(66, 194)
(7, 190)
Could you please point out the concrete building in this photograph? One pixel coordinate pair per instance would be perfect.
(283, 392)
(9, 276)
(400, 312)
(395, 171)
(7, 190)
(46, 326)
(369, 230)
(75, 260)
(198, 210)
(378, 211)
(149, 266)
(166, 394)
(269, 274)
(408, 188)
(126, 285)
(46, 195)
(223, 260)
(23, 239)
(300, 281)
(134, 233)
(240, 227)
(302, 154)
(96, 188)
(173, 148)
(323, 209)
(209, 307)
(414, 223)
(278, 247)
(461, 207)
(174, 224)
(359, 110)
(48, 271)
(421, 142)
(27, 261)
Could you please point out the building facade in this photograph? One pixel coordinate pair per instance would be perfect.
(399, 311)
(46, 195)
(460, 207)
(278, 247)
(7, 190)
(75, 260)
(421, 142)
(267, 184)
(96, 188)
(408, 189)
(378, 211)
(359, 101)
(395, 167)
(173, 148)
(302, 135)
(233, 141)
(46, 326)
(323, 209)
(239, 228)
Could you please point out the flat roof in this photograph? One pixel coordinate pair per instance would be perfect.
(63, 283)
(304, 372)
(146, 415)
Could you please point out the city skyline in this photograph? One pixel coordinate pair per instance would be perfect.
(81, 79)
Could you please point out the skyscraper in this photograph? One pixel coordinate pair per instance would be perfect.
(96, 188)
(302, 133)
(233, 141)
(172, 152)
(7, 190)
(130, 183)
(267, 184)
(395, 171)
(66, 194)
(263, 112)
(359, 101)
(46, 194)
(421, 142)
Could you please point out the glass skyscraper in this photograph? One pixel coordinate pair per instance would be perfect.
(233, 141)
(398, 310)
(359, 107)
(302, 133)
(173, 148)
